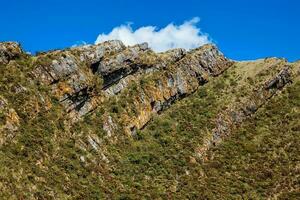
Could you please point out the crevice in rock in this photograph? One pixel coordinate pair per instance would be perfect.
(133, 131)
(116, 76)
(95, 66)
(152, 104)
(55, 81)
(200, 79)
(78, 99)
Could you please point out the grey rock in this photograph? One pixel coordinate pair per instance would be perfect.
(64, 66)
(280, 80)
(93, 143)
(94, 53)
(109, 126)
(180, 83)
(121, 60)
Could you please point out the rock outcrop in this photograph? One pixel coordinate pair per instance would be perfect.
(169, 82)
(85, 78)
(9, 51)
(82, 78)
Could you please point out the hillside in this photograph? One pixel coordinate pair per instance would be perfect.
(108, 121)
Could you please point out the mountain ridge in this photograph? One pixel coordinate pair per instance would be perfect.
(95, 104)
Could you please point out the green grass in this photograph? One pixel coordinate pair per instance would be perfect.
(262, 158)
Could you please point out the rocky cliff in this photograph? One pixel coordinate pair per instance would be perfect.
(85, 115)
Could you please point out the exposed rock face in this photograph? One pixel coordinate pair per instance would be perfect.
(92, 54)
(117, 66)
(152, 62)
(177, 80)
(206, 59)
(71, 74)
(9, 51)
(83, 77)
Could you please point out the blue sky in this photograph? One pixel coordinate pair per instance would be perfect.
(242, 29)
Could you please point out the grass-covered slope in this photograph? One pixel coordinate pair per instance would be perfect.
(164, 161)
(261, 159)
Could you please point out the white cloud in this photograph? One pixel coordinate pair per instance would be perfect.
(186, 35)
(79, 43)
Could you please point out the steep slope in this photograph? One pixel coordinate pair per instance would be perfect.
(262, 158)
(170, 158)
(92, 122)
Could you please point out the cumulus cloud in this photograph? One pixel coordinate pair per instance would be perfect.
(187, 35)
